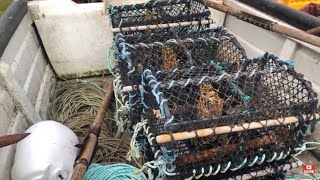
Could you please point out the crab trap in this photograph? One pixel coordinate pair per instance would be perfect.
(160, 15)
(167, 51)
(235, 116)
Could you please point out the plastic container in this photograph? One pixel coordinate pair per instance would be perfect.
(48, 153)
(297, 4)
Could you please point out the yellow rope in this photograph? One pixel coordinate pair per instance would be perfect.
(75, 103)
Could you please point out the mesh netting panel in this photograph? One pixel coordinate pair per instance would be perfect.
(213, 115)
(167, 51)
(204, 110)
(158, 12)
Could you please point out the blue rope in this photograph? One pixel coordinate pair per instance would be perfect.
(113, 172)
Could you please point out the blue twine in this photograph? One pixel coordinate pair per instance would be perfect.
(289, 63)
(113, 172)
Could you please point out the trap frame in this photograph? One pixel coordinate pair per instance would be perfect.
(149, 22)
(202, 107)
(167, 51)
(158, 12)
(226, 117)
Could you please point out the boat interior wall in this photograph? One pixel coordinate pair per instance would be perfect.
(64, 31)
(26, 78)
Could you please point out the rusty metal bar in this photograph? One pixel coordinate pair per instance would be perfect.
(12, 139)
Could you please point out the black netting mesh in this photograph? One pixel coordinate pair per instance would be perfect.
(159, 12)
(166, 51)
(204, 109)
(213, 115)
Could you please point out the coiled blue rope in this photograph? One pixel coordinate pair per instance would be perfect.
(113, 172)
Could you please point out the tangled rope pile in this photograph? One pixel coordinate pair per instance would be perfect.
(114, 172)
(75, 104)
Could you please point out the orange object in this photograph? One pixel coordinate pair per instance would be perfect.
(296, 4)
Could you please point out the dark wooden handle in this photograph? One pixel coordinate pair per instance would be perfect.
(91, 141)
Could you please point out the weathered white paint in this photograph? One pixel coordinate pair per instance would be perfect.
(7, 110)
(24, 57)
(255, 35)
(25, 78)
(47, 83)
(288, 49)
(19, 97)
(18, 125)
(75, 37)
(34, 78)
(307, 62)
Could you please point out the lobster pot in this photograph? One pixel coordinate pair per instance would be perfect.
(157, 12)
(233, 117)
(47, 153)
(167, 51)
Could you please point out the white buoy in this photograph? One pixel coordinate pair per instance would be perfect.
(48, 153)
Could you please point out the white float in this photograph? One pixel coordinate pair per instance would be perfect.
(48, 153)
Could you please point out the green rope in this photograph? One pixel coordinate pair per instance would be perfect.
(113, 172)
(211, 62)
(245, 98)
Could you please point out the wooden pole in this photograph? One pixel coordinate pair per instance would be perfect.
(165, 138)
(91, 141)
(314, 31)
(12, 139)
(161, 26)
(264, 23)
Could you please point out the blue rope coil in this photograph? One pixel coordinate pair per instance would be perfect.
(113, 172)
